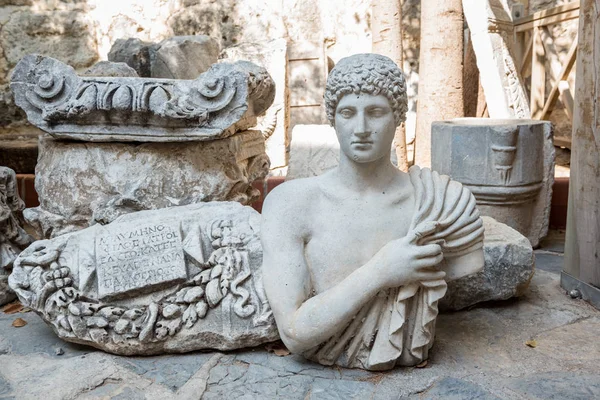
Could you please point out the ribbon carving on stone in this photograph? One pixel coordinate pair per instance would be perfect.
(134, 294)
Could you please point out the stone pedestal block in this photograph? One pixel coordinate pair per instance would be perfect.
(509, 267)
(314, 150)
(162, 281)
(507, 164)
(80, 184)
(120, 144)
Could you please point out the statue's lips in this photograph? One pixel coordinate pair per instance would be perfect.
(362, 143)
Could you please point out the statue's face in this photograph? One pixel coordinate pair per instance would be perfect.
(365, 126)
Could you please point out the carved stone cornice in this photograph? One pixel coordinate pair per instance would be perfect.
(505, 195)
(225, 99)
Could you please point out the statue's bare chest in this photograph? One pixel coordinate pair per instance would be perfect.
(348, 233)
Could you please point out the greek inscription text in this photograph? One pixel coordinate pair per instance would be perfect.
(131, 258)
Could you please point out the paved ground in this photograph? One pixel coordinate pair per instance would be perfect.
(479, 354)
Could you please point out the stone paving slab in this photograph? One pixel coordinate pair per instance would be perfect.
(479, 353)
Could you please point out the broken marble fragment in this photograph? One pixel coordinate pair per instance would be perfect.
(163, 281)
(80, 184)
(220, 102)
(184, 57)
(13, 237)
(509, 267)
(177, 57)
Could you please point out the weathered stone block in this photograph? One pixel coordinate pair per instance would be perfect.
(68, 34)
(224, 100)
(314, 150)
(135, 53)
(163, 281)
(509, 267)
(272, 56)
(507, 164)
(81, 183)
(178, 57)
(184, 57)
(13, 238)
(110, 69)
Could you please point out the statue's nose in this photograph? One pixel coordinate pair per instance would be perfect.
(361, 129)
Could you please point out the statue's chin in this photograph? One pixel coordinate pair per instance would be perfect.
(364, 158)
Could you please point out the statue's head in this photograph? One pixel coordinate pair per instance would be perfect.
(368, 73)
(366, 100)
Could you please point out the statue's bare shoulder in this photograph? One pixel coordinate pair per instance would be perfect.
(291, 205)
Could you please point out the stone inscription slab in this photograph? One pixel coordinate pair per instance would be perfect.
(130, 257)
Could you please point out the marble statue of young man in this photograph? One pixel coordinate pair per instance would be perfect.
(355, 260)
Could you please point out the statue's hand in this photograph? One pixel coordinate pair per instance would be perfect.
(403, 261)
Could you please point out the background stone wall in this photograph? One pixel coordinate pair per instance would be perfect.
(81, 32)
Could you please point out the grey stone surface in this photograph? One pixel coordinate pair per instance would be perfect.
(172, 372)
(6, 294)
(171, 280)
(68, 34)
(561, 385)
(110, 69)
(184, 57)
(134, 52)
(178, 57)
(350, 256)
(457, 389)
(80, 183)
(507, 164)
(480, 352)
(222, 101)
(5, 388)
(509, 267)
(13, 237)
(273, 56)
(314, 150)
(551, 262)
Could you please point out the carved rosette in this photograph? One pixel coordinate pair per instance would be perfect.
(225, 99)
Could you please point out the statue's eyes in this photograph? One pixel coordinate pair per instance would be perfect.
(346, 113)
(377, 112)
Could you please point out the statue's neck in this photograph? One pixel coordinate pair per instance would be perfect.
(361, 177)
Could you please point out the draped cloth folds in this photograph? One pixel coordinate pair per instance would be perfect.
(397, 326)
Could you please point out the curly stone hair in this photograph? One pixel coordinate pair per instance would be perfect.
(367, 73)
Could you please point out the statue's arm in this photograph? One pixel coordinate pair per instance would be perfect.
(304, 321)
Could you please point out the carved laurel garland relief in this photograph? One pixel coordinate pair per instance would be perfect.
(224, 285)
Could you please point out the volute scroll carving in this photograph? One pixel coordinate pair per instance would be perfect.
(225, 99)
